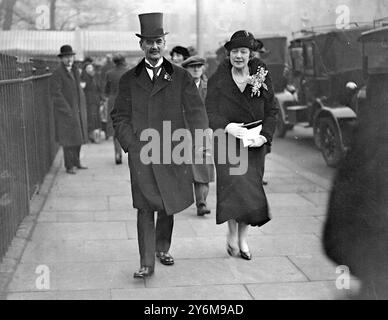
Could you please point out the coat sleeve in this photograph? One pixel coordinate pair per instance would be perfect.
(56, 90)
(194, 108)
(216, 120)
(121, 115)
(271, 109)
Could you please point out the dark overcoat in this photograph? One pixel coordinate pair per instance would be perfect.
(204, 173)
(240, 197)
(69, 107)
(356, 228)
(111, 89)
(93, 98)
(141, 105)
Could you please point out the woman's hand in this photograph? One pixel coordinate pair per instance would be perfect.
(236, 129)
(258, 141)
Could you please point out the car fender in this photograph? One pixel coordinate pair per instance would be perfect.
(282, 97)
(336, 114)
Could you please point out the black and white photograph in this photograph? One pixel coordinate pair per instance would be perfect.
(212, 152)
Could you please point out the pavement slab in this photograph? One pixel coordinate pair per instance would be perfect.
(216, 292)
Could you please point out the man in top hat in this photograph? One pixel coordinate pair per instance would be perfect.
(69, 109)
(152, 96)
(203, 173)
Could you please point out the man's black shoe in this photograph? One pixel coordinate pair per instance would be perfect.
(143, 272)
(70, 171)
(202, 210)
(165, 258)
(81, 167)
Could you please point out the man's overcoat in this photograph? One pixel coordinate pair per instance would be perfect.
(142, 105)
(69, 107)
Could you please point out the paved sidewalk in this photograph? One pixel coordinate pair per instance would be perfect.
(86, 236)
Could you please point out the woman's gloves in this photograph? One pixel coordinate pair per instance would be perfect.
(258, 141)
(236, 130)
(251, 138)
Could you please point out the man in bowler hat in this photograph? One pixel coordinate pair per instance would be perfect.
(69, 109)
(202, 173)
(151, 95)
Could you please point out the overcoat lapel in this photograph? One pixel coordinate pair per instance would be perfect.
(230, 90)
(142, 77)
(160, 83)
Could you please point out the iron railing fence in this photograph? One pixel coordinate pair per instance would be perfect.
(27, 139)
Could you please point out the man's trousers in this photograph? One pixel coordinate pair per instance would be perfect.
(153, 239)
(71, 156)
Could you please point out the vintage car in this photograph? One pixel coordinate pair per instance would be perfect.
(328, 87)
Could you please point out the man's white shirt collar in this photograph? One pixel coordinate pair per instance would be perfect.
(150, 72)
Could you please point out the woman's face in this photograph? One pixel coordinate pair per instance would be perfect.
(239, 57)
(177, 57)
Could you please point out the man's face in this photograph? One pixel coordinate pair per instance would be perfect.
(196, 71)
(68, 61)
(153, 48)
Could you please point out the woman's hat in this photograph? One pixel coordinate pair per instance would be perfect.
(193, 61)
(151, 25)
(180, 50)
(66, 50)
(241, 39)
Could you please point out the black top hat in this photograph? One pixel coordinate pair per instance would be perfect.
(241, 39)
(151, 25)
(66, 50)
(180, 50)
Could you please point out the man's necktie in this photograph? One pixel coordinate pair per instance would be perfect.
(155, 71)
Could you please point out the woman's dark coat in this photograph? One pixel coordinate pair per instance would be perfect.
(93, 98)
(69, 107)
(240, 197)
(142, 105)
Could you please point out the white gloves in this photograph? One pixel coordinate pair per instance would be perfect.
(236, 130)
(258, 141)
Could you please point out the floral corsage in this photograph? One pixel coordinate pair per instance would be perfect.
(257, 81)
(167, 77)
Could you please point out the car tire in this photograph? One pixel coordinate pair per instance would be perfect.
(330, 142)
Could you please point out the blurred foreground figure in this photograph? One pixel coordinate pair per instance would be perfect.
(356, 230)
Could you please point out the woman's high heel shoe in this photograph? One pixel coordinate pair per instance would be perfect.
(230, 250)
(246, 255)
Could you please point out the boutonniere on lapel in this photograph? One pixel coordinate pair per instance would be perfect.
(257, 81)
(167, 77)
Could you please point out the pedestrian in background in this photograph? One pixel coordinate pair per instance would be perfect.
(231, 102)
(152, 94)
(69, 109)
(93, 96)
(202, 173)
(111, 90)
(179, 54)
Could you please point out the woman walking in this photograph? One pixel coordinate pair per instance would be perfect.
(240, 92)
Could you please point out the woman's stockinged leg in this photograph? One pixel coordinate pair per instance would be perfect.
(231, 238)
(243, 236)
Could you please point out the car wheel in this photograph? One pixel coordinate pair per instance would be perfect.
(330, 142)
